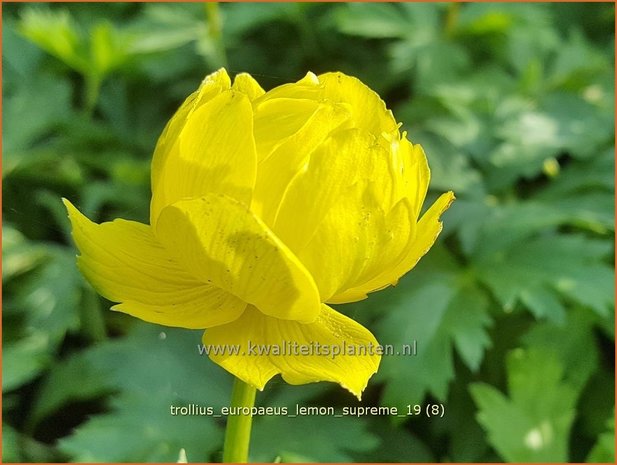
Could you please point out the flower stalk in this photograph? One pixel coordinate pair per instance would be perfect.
(215, 31)
(92, 92)
(238, 431)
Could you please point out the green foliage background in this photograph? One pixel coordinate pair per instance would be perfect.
(513, 310)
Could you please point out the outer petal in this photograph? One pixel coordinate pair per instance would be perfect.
(333, 348)
(347, 158)
(210, 87)
(215, 152)
(428, 229)
(126, 264)
(356, 241)
(415, 172)
(220, 241)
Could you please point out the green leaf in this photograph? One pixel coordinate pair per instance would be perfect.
(55, 32)
(543, 303)
(488, 226)
(577, 62)
(408, 380)
(49, 300)
(18, 447)
(598, 398)
(108, 48)
(433, 61)
(21, 57)
(242, 19)
(10, 448)
(18, 254)
(592, 211)
(466, 220)
(604, 449)
(155, 435)
(309, 439)
(467, 327)
(590, 285)
(23, 127)
(441, 310)
(24, 360)
(570, 264)
(396, 445)
(450, 168)
(161, 367)
(373, 20)
(531, 39)
(59, 388)
(533, 423)
(573, 343)
(581, 128)
(467, 440)
(580, 177)
(484, 18)
(584, 192)
(42, 308)
(564, 122)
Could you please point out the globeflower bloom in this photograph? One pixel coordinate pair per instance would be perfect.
(266, 207)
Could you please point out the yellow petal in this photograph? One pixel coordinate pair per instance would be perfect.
(210, 87)
(347, 158)
(356, 240)
(332, 348)
(415, 173)
(214, 152)
(245, 83)
(277, 119)
(220, 241)
(125, 263)
(308, 87)
(369, 110)
(289, 155)
(428, 229)
(249, 330)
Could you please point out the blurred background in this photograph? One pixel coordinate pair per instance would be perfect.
(512, 311)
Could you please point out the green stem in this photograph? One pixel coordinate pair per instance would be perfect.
(93, 321)
(215, 30)
(93, 89)
(452, 13)
(308, 39)
(238, 432)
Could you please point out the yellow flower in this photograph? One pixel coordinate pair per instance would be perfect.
(266, 207)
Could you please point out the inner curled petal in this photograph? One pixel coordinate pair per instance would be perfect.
(282, 159)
